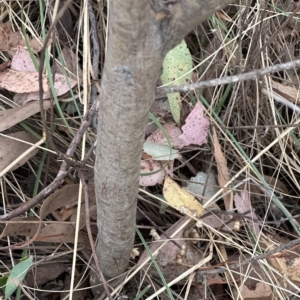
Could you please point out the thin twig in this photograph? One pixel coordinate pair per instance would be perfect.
(88, 228)
(252, 259)
(158, 228)
(266, 126)
(96, 57)
(229, 79)
(56, 183)
(86, 122)
(63, 172)
(244, 217)
(271, 39)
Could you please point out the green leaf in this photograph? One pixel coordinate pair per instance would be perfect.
(142, 293)
(177, 68)
(160, 152)
(17, 275)
(175, 105)
(3, 281)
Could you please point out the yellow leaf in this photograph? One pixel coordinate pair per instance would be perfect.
(181, 199)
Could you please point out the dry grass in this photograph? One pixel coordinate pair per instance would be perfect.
(256, 138)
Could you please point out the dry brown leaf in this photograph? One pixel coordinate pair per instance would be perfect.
(13, 116)
(61, 84)
(66, 197)
(71, 63)
(22, 61)
(82, 218)
(8, 38)
(41, 274)
(92, 210)
(21, 81)
(66, 213)
(37, 44)
(61, 87)
(158, 137)
(178, 238)
(24, 98)
(148, 166)
(290, 93)
(224, 17)
(11, 149)
(82, 284)
(262, 291)
(223, 175)
(218, 221)
(54, 232)
(63, 197)
(167, 256)
(289, 264)
(252, 276)
(243, 204)
(277, 184)
(27, 227)
(61, 233)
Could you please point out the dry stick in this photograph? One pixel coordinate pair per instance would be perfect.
(96, 55)
(88, 228)
(252, 259)
(51, 117)
(261, 126)
(39, 198)
(229, 79)
(86, 122)
(244, 217)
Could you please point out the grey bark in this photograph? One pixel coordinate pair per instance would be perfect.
(141, 32)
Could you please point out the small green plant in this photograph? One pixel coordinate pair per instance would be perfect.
(9, 283)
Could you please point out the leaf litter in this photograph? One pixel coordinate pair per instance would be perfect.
(240, 195)
(13, 145)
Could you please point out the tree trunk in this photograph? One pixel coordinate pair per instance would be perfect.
(140, 33)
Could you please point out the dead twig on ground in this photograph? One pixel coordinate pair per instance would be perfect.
(229, 79)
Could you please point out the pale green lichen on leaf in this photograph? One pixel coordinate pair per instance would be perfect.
(175, 105)
(177, 68)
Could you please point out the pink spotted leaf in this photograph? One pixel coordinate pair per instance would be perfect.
(196, 127)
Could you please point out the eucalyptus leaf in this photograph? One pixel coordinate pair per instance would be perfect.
(17, 275)
(177, 68)
(160, 152)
